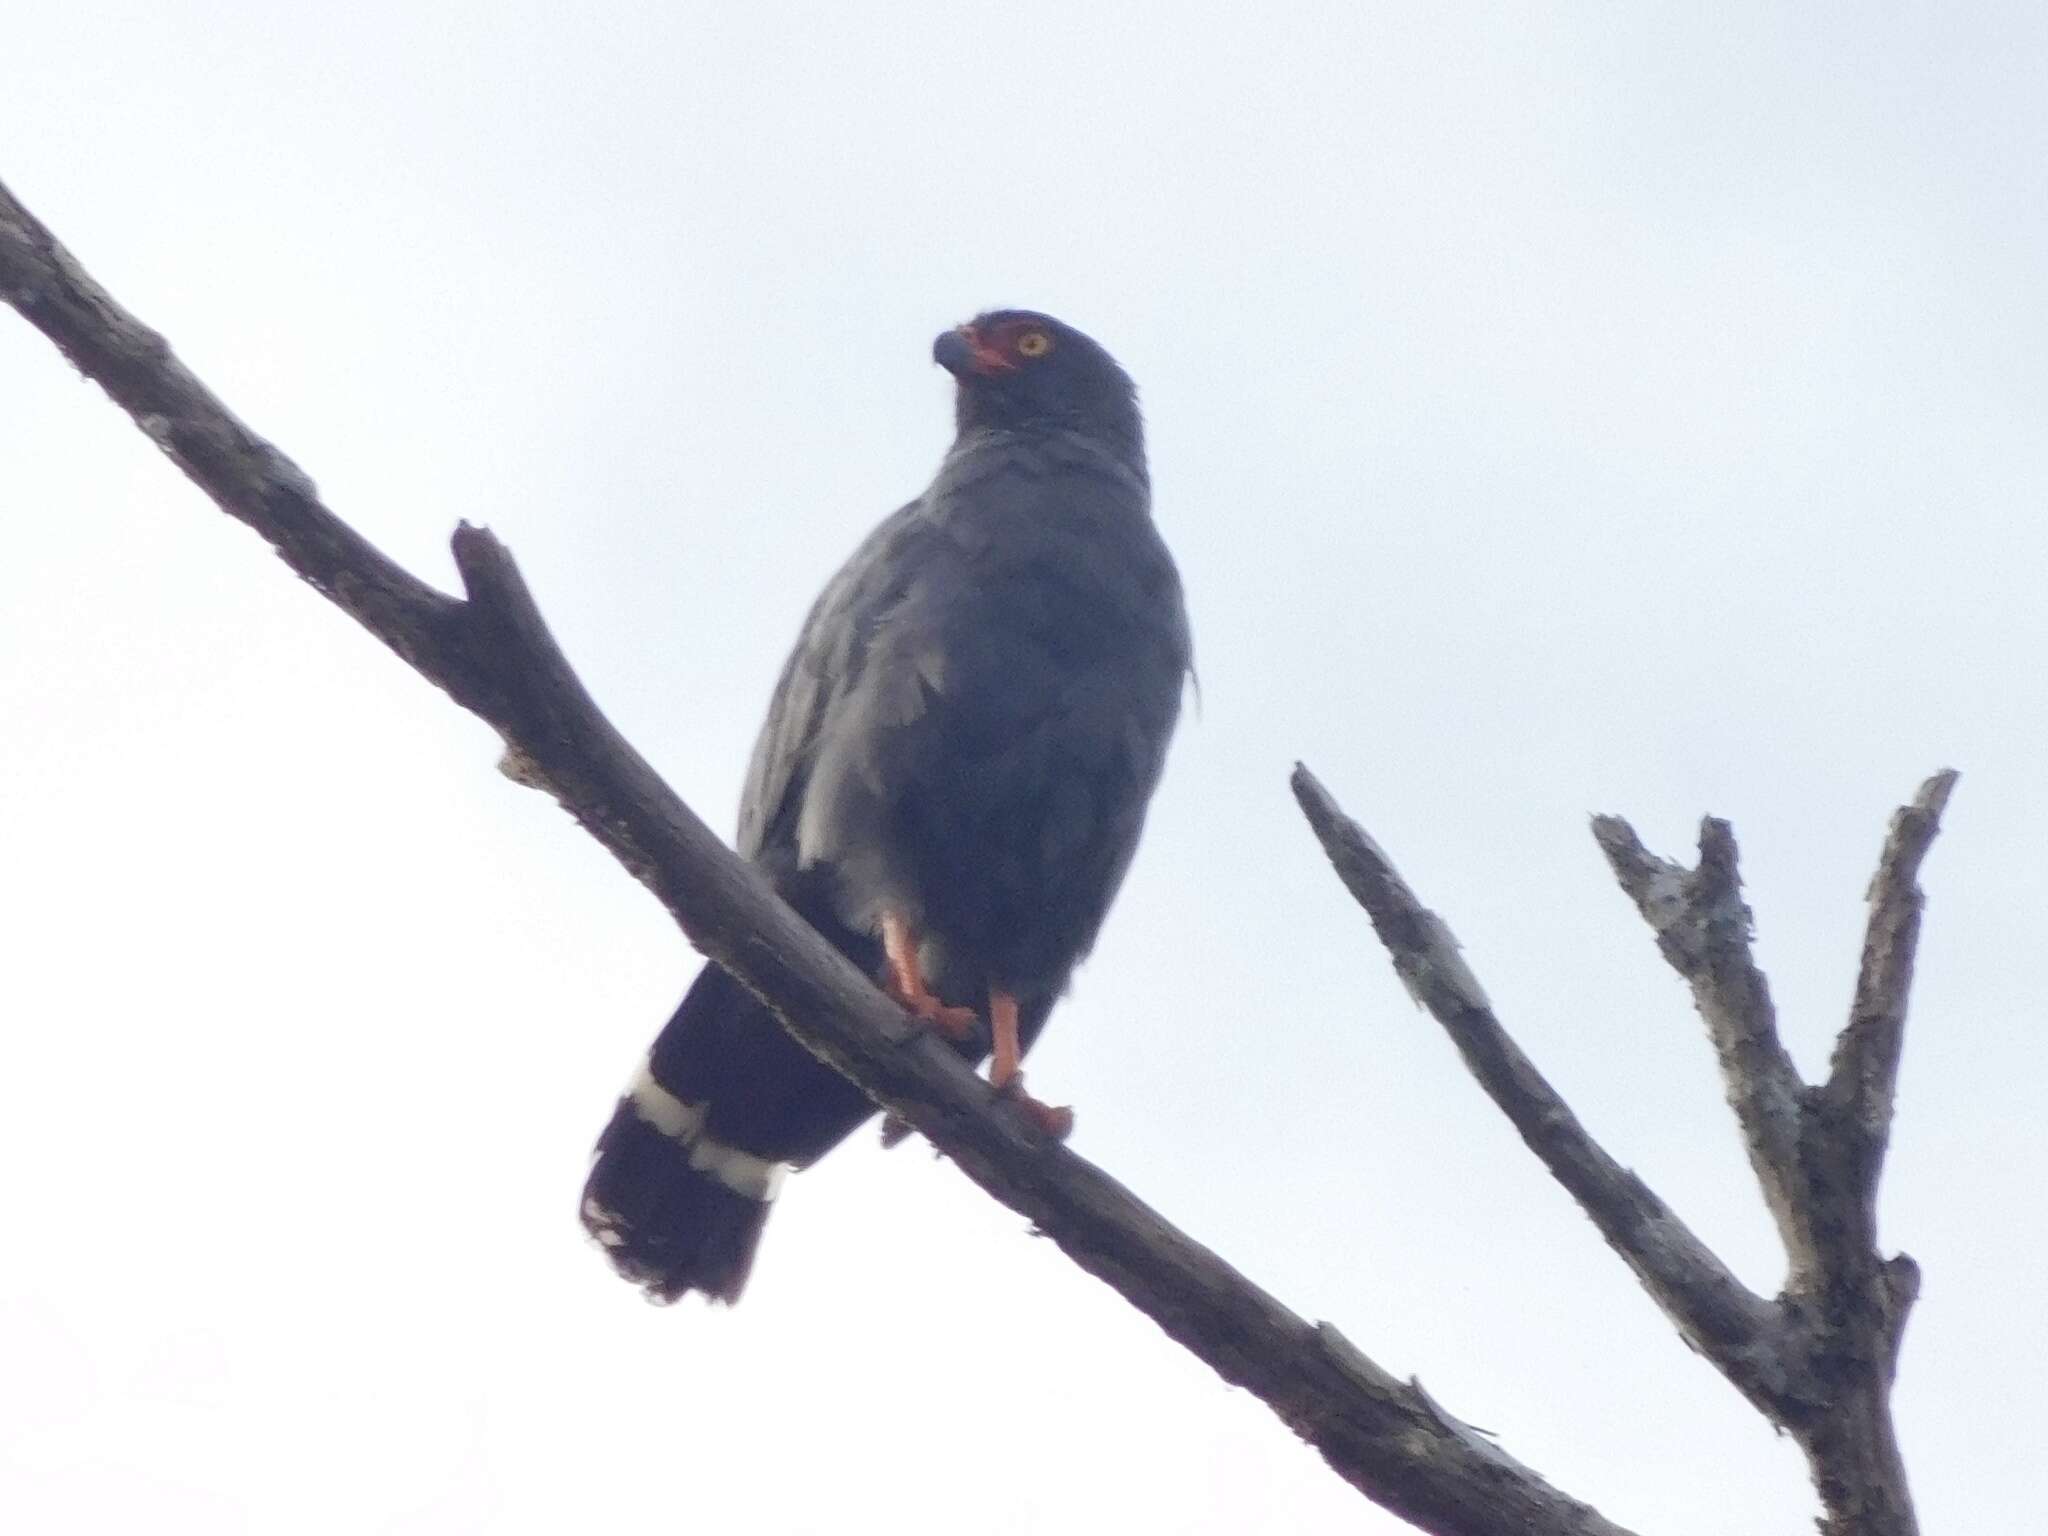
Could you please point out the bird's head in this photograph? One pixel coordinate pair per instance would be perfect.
(1019, 369)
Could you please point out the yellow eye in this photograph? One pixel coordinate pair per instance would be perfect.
(1033, 344)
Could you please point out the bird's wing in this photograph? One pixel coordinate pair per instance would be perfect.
(825, 663)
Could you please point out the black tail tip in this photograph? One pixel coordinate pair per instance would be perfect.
(666, 1226)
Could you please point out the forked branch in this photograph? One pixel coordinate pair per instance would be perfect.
(1818, 1360)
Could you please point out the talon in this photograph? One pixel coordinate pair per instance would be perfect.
(1054, 1120)
(953, 1023)
(894, 1131)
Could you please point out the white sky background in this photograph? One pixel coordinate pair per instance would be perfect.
(1553, 410)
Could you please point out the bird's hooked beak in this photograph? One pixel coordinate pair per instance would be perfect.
(961, 352)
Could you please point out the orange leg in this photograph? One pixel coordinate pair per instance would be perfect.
(1002, 1023)
(1006, 1075)
(907, 984)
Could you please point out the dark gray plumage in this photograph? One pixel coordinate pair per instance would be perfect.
(959, 754)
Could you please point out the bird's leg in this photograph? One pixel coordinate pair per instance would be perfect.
(907, 985)
(1006, 1073)
(1007, 1067)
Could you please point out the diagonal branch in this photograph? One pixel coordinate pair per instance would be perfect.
(1703, 927)
(1864, 1074)
(1856, 1302)
(493, 654)
(1719, 1316)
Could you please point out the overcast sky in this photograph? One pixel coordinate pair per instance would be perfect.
(1553, 410)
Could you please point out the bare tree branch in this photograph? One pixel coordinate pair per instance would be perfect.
(1864, 1074)
(1818, 1361)
(1844, 1303)
(1856, 1304)
(493, 654)
(1703, 928)
(1716, 1314)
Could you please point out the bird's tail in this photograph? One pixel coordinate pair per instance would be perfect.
(674, 1209)
(725, 1104)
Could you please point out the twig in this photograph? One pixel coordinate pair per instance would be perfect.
(1863, 1076)
(1703, 928)
(493, 654)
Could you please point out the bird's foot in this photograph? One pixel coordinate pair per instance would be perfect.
(954, 1023)
(894, 1131)
(905, 983)
(1006, 1072)
(1054, 1120)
